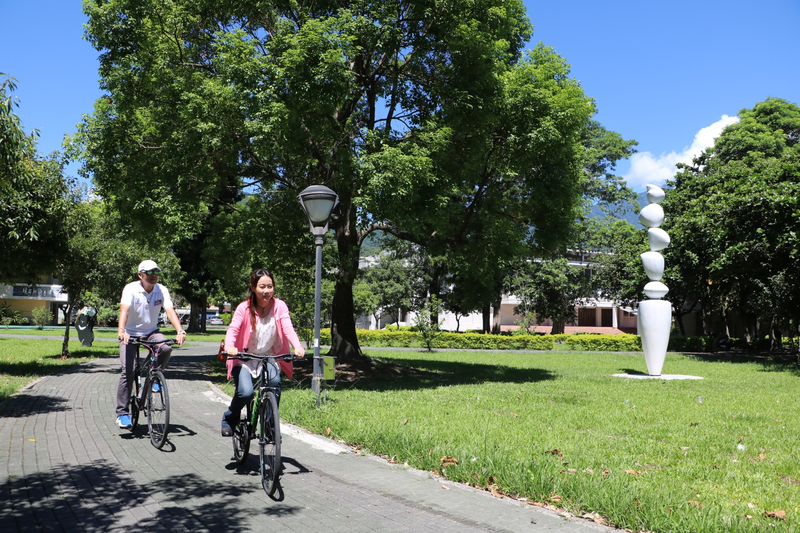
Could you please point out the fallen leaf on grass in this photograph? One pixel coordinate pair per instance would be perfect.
(761, 456)
(695, 503)
(556, 451)
(555, 497)
(448, 461)
(748, 516)
(606, 472)
(405, 421)
(496, 493)
(781, 515)
(328, 431)
(633, 472)
(751, 505)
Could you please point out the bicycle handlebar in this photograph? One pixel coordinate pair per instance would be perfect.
(244, 356)
(140, 340)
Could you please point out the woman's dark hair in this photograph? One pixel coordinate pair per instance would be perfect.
(251, 294)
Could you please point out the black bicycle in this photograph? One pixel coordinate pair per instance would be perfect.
(262, 422)
(150, 392)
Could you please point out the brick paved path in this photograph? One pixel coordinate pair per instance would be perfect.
(65, 466)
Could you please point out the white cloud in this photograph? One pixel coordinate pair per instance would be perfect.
(648, 168)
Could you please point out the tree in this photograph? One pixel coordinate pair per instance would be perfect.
(33, 199)
(16, 147)
(427, 118)
(98, 259)
(549, 288)
(390, 280)
(617, 272)
(734, 220)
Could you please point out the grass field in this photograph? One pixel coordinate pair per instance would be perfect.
(718, 454)
(557, 429)
(25, 360)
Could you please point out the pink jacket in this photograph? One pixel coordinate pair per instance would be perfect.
(239, 331)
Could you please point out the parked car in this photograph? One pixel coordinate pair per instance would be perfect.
(216, 321)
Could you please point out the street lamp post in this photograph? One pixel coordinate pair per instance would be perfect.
(317, 201)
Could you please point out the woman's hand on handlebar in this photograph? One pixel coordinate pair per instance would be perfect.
(299, 352)
(232, 351)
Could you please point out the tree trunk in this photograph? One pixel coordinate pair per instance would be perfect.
(487, 319)
(558, 327)
(65, 345)
(195, 322)
(679, 320)
(707, 324)
(344, 342)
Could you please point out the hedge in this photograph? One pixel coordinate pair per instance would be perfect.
(581, 342)
(459, 341)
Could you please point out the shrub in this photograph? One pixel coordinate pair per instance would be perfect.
(426, 325)
(226, 318)
(604, 343)
(42, 316)
(690, 344)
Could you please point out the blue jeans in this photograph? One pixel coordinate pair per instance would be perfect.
(244, 392)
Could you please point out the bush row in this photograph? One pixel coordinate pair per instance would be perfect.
(405, 338)
(459, 341)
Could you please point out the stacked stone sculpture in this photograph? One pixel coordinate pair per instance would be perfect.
(655, 315)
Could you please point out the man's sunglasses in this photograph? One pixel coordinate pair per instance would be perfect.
(150, 272)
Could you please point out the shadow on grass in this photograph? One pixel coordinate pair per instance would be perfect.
(380, 375)
(768, 362)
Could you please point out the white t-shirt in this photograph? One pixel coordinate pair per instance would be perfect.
(144, 307)
(263, 341)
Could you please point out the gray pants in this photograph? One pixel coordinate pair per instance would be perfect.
(127, 358)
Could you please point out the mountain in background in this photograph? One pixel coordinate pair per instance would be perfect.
(372, 245)
(630, 212)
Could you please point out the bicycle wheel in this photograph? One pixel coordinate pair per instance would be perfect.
(133, 404)
(241, 437)
(269, 443)
(158, 409)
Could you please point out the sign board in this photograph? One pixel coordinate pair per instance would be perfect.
(328, 371)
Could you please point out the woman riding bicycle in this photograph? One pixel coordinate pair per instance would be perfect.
(260, 325)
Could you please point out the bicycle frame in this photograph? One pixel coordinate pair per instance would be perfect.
(146, 397)
(262, 422)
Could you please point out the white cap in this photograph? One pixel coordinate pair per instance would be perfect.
(148, 265)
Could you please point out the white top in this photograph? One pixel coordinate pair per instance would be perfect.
(144, 307)
(264, 341)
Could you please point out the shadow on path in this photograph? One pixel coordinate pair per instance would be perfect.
(100, 495)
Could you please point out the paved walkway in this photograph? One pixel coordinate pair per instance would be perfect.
(65, 466)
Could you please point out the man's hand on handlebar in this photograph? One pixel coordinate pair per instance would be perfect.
(124, 336)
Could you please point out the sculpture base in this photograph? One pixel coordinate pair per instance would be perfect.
(655, 322)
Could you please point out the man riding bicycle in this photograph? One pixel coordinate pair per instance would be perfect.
(140, 306)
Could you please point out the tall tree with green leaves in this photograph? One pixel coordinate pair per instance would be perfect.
(33, 198)
(734, 219)
(427, 118)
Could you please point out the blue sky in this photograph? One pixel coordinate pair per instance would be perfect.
(668, 74)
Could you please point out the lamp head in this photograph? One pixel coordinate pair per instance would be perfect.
(318, 202)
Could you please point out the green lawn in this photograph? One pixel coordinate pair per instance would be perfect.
(25, 360)
(720, 454)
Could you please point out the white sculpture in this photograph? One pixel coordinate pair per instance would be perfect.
(655, 315)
